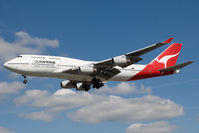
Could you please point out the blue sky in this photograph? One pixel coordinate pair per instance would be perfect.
(96, 30)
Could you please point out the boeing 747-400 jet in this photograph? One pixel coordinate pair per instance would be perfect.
(83, 75)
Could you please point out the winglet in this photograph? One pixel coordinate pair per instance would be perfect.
(169, 40)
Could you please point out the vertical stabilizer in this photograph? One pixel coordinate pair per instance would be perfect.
(168, 57)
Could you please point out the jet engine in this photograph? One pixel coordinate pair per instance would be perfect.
(82, 86)
(68, 84)
(86, 69)
(120, 60)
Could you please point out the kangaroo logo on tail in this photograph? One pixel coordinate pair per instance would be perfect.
(165, 59)
(168, 57)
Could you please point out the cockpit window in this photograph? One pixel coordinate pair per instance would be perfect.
(19, 56)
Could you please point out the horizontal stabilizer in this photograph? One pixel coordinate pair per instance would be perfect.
(176, 67)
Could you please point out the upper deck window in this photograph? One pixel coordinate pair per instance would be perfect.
(19, 56)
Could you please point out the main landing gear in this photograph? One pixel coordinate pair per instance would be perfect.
(25, 79)
(97, 83)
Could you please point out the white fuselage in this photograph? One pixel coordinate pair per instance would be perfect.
(54, 66)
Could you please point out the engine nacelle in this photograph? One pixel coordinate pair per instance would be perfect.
(86, 69)
(120, 60)
(82, 87)
(68, 84)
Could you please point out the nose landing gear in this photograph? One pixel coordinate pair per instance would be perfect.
(25, 79)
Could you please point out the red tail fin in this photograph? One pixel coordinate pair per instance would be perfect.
(168, 57)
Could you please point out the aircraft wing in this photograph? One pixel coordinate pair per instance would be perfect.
(106, 69)
(107, 73)
(129, 58)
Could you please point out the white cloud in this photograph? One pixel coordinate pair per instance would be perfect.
(23, 38)
(61, 100)
(65, 99)
(96, 108)
(125, 88)
(116, 108)
(31, 95)
(24, 44)
(156, 127)
(10, 88)
(5, 130)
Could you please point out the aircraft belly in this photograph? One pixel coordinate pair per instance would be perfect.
(75, 77)
(124, 75)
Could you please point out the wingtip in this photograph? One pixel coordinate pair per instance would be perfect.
(169, 40)
(191, 61)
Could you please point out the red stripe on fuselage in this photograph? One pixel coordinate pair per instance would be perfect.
(148, 72)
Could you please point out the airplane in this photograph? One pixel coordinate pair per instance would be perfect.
(83, 75)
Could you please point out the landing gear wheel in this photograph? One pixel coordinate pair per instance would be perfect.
(94, 86)
(100, 84)
(87, 89)
(25, 81)
(97, 83)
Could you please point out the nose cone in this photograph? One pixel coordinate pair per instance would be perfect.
(5, 65)
(11, 65)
